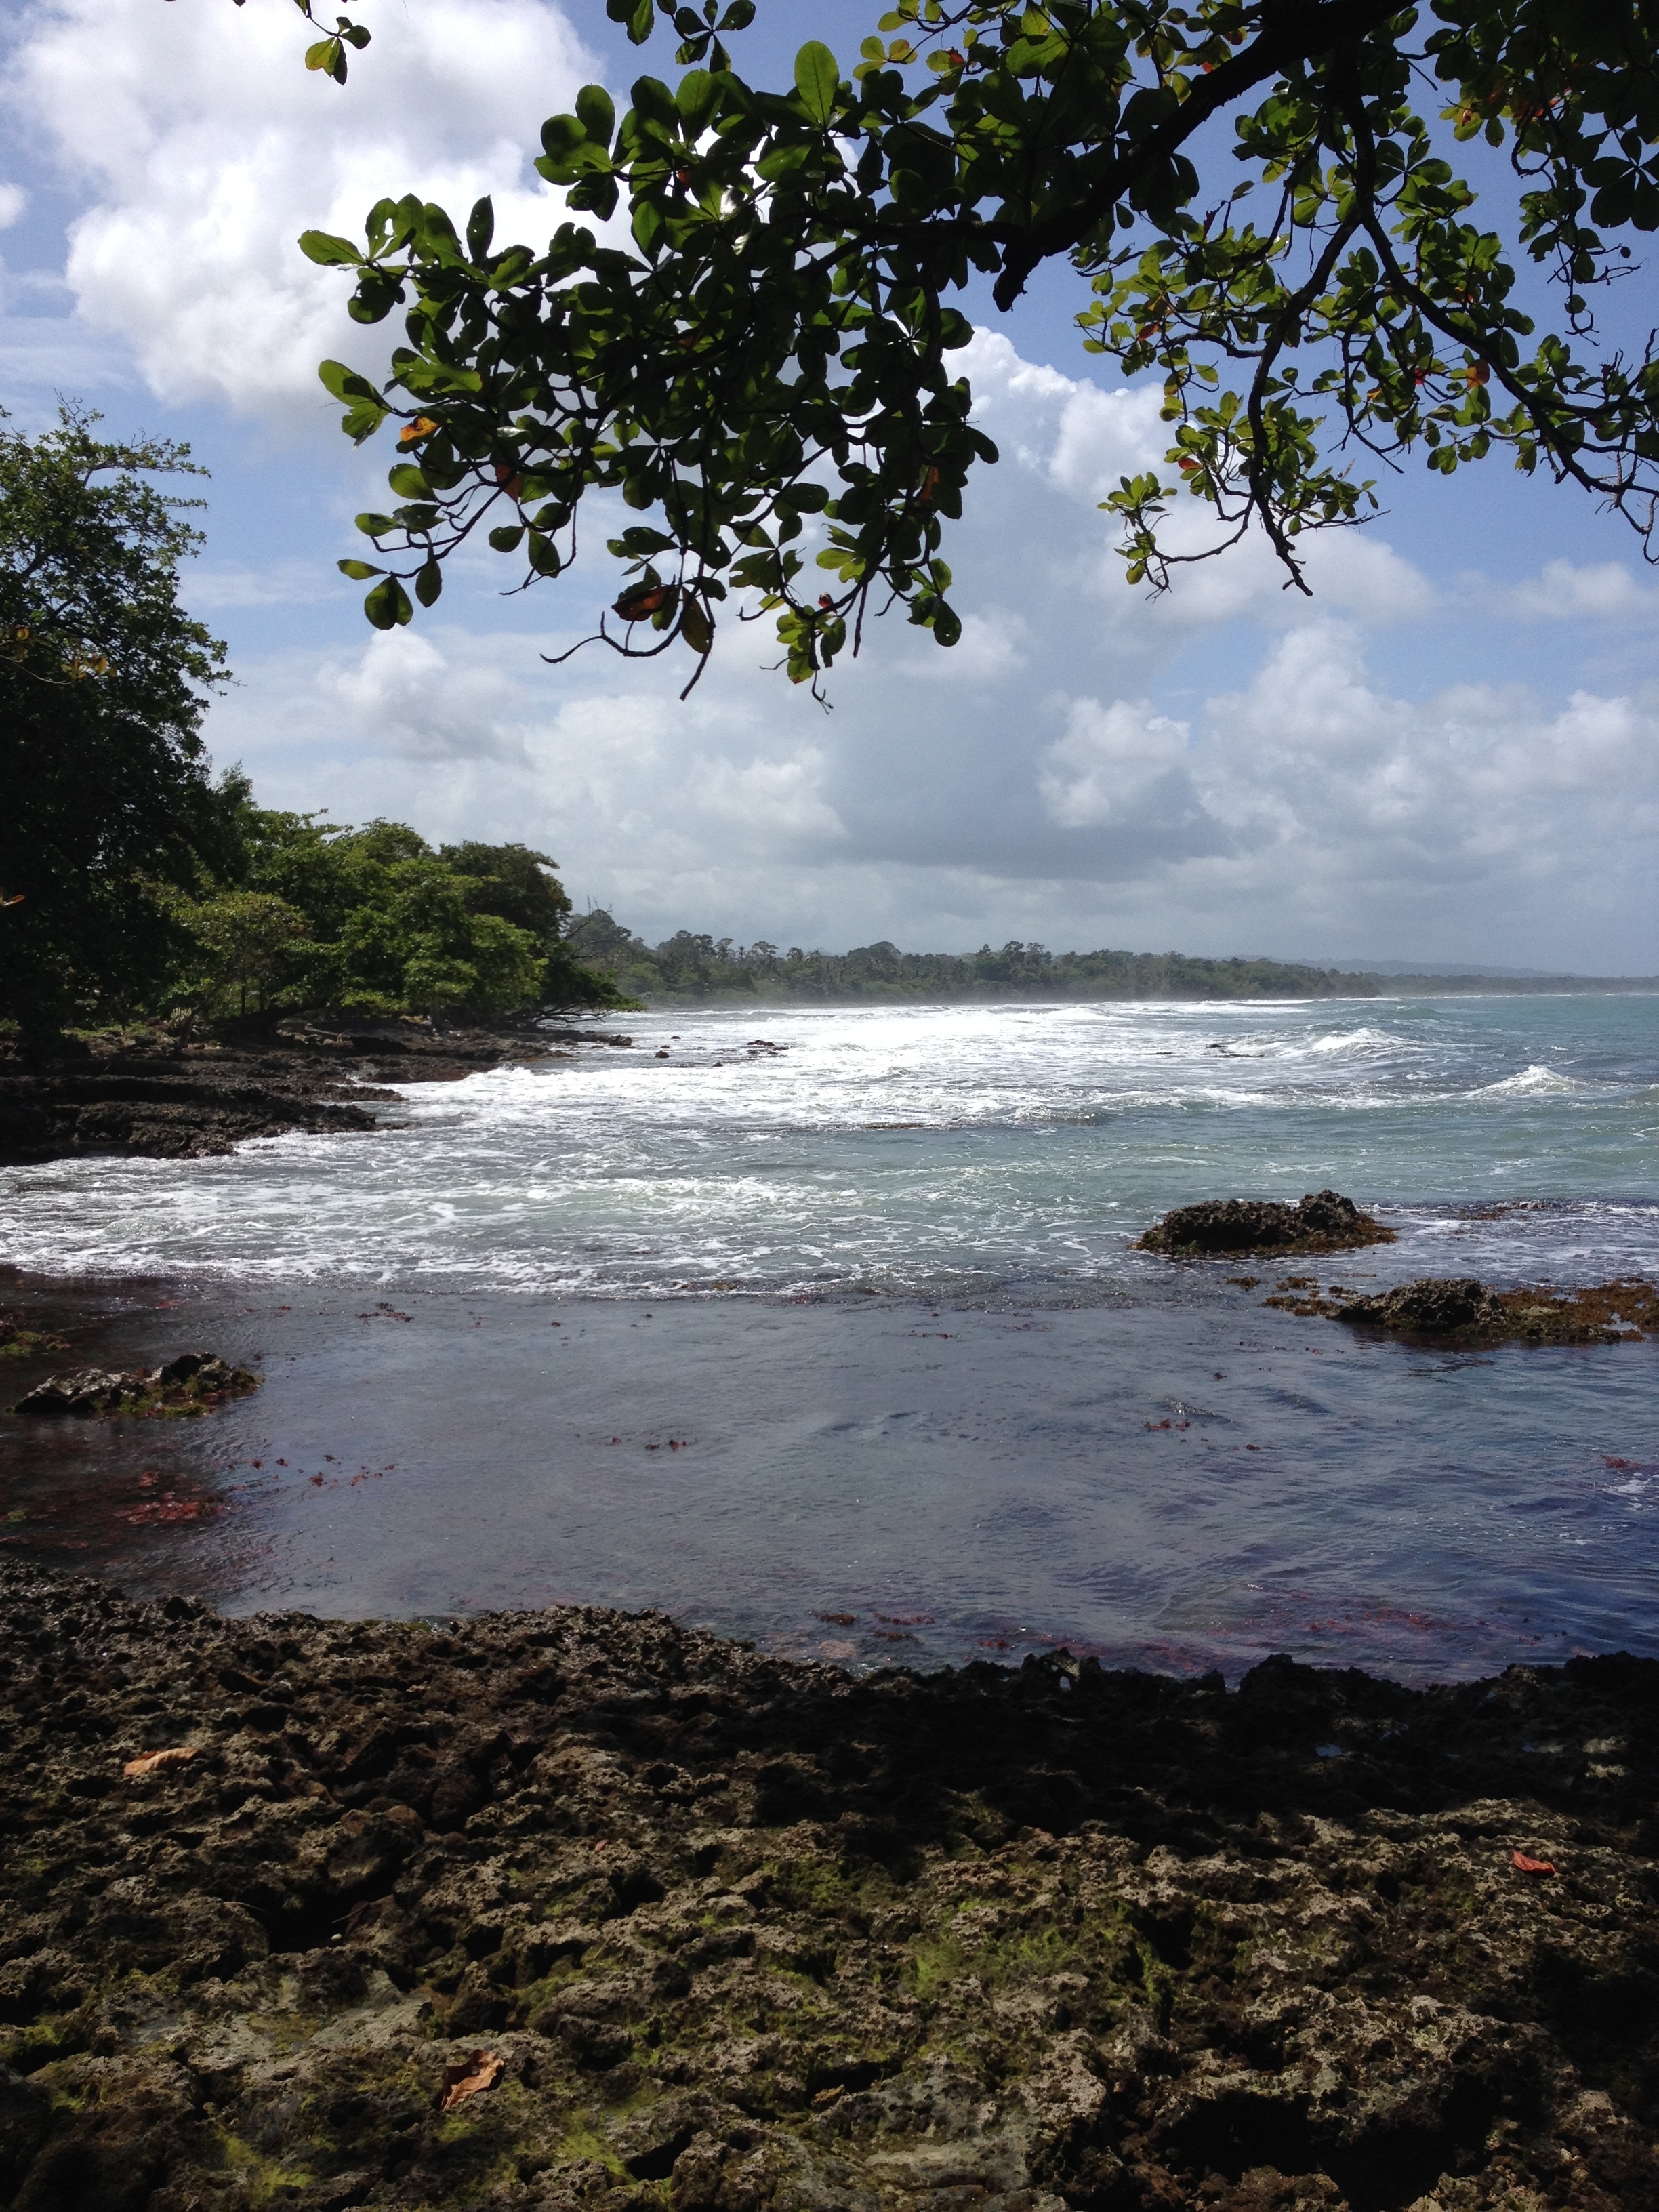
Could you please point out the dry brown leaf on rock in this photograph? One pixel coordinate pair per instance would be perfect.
(162, 1762)
(469, 2076)
(1519, 1860)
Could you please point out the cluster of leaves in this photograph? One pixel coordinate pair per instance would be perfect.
(328, 54)
(693, 966)
(104, 681)
(768, 354)
(374, 921)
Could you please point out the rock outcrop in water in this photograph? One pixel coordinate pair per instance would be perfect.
(194, 1383)
(157, 1096)
(1323, 1221)
(1463, 1309)
(664, 1922)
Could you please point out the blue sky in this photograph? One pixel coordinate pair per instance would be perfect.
(1449, 754)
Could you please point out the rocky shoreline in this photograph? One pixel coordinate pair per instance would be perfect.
(579, 1909)
(156, 1094)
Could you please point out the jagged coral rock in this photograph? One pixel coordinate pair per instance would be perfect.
(749, 1936)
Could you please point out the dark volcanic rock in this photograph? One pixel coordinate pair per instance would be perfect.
(754, 1936)
(58, 1113)
(159, 1096)
(1324, 1221)
(1603, 1313)
(1429, 1307)
(191, 1383)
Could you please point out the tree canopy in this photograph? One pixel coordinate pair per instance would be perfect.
(305, 912)
(103, 685)
(1264, 204)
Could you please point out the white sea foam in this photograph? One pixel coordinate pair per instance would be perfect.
(1536, 1082)
(902, 1144)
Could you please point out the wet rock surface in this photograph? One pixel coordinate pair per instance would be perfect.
(748, 1933)
(1323, 1221)
(18, 1341)
(194, 1383)
(1463, 1309)
(157, 1094)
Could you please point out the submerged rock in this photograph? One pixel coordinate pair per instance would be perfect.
(191, 1383)
(17, 1342)
(748, 1936)
(1429, 1307)
(1464, 1308)
(1323, 1221)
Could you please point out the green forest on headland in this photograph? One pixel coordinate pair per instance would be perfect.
(132, 882)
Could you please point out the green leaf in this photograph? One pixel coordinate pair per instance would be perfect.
(695, 626)
(408, 482)
(561, 137)
(508, 537)
(637, 17)
(597, 114)
(429, 584)
(696, 97)
(359, 571)
(480, 228)
(328, 55)
(818, 80)
(387, 605)
(653, 100)
(345, 383)
(321, 247)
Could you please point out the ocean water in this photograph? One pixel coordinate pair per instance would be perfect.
(924, 1151)
(826, 1329)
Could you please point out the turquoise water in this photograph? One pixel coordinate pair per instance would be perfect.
(838, 1341)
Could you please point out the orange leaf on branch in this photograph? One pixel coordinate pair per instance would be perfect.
(635, 606)
(412, 433)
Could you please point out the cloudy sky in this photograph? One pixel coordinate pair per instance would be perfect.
(1449, 754)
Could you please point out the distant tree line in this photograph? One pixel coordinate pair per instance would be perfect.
(690, 967)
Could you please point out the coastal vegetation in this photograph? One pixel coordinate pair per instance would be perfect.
(135, 884)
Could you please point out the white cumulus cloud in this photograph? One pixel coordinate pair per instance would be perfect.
(1103, 767)
(203, 148)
